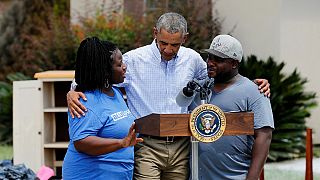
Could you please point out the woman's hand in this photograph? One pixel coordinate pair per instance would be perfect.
(96, 146)
(131, 139)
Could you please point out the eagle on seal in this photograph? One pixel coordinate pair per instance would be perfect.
(207, 121)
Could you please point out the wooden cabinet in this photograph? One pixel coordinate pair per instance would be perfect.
(40, 123)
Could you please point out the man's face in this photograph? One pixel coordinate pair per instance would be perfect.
(168, 43)
(221, 69)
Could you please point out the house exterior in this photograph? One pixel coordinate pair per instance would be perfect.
(287, 30)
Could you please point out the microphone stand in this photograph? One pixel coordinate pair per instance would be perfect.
(204, 93)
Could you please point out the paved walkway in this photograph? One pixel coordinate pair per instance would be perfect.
(295, 165)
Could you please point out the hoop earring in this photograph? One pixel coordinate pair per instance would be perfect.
(106, 84)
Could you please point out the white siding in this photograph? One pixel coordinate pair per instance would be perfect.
(288, 30)
(89, 8)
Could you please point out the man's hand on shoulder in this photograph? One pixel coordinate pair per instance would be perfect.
(74, 106)
(263, 86)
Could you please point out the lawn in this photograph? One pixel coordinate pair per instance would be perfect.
(276, 174)
(6, 152)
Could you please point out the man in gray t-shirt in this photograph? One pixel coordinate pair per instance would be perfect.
(243, 156)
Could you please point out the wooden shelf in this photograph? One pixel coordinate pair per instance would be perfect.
(57, 75)
(56, 145)
(47, 119)
(57, 163)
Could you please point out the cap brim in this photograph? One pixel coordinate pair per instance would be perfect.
(216, 53)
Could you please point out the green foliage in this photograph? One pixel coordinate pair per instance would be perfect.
(290, 102)
(6, 152)
(316, 151)
(202, 25)
(129, 32)
(59, 46)
(33, 39)
(6, 107)
(20, 28)
(61, 8)
(117, 28)
(5, 112)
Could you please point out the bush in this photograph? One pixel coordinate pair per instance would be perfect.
(5, 113)
(290, 103)
(129, 32)
(33, 39)
(202, 25)
(117, 28)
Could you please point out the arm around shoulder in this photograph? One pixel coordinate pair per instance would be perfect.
(74, 105)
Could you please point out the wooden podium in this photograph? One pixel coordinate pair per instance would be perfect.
(238, 123)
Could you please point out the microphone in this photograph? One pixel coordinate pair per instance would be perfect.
(205, 92)
(207, 86)
(190, 88)
(186, 95)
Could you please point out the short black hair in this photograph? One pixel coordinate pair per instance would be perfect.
(94, 64)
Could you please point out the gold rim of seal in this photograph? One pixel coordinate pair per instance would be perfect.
(193, 117)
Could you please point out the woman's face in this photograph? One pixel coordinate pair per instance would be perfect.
(118, 68)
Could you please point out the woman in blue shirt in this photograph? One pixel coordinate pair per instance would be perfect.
(101, 142)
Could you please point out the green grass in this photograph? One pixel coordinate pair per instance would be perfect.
(6, 152)
(316, 150)
(276, 174)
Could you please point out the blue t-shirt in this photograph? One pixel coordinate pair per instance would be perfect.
(107, 117)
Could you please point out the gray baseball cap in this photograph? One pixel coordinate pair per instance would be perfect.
(226, 46)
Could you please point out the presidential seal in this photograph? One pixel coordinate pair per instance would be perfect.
(207, 123)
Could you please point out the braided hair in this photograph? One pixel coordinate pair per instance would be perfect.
(94, 64)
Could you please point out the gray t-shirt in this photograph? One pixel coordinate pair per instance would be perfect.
(229, 157)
